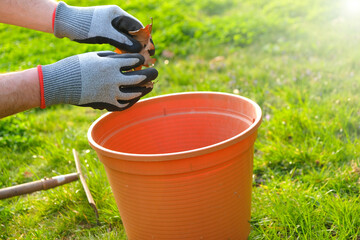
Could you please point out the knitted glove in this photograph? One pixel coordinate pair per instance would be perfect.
(100, 80)
(101, 24)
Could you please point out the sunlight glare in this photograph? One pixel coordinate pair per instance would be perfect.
(353, 6)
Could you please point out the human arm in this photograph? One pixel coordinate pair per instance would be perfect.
(97, 25)
(100, 80)
(46, 85)
(33, 14)
(19, 91)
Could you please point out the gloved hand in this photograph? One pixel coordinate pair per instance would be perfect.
(100, 80)
(101, 24)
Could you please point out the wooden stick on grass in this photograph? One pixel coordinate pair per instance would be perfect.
(85, 186)
(48, 183)
(43, 184)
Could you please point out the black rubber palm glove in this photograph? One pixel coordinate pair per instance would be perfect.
(100, 80)
(101, 24)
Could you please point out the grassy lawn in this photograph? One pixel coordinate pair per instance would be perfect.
(300, 61)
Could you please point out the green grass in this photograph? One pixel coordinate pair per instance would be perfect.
(298, 60)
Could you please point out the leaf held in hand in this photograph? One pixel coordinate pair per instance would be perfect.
(143, 35)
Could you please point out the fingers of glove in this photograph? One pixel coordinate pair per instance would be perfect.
(127, 96)
(120, 105)
(105, 53)
(128, 105)
(152, 52)
(150, 73)
(109, 26)
(134, 47)
(128, 65)
(135, 60)
(137, 88)
(130, 93)
(124, 24)
(107, 106)
(137, 78)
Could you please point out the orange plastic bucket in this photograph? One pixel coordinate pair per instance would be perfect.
(180, 165)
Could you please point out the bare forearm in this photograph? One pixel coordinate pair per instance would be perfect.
(33, 14)
(19, 91)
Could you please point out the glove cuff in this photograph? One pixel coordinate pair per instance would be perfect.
(72, 22)
(62, 82)
(41, 84)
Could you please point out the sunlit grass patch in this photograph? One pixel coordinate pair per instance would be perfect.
(299, 61)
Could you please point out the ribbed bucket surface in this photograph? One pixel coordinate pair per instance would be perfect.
(180, 165)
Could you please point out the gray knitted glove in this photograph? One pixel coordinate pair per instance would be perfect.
(101, 24)
(100, 80)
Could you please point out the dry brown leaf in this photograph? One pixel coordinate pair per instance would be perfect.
(143, 35)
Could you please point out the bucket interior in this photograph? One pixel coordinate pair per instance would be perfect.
(174, 125)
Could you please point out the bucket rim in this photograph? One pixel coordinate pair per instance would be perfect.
(181, 154)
